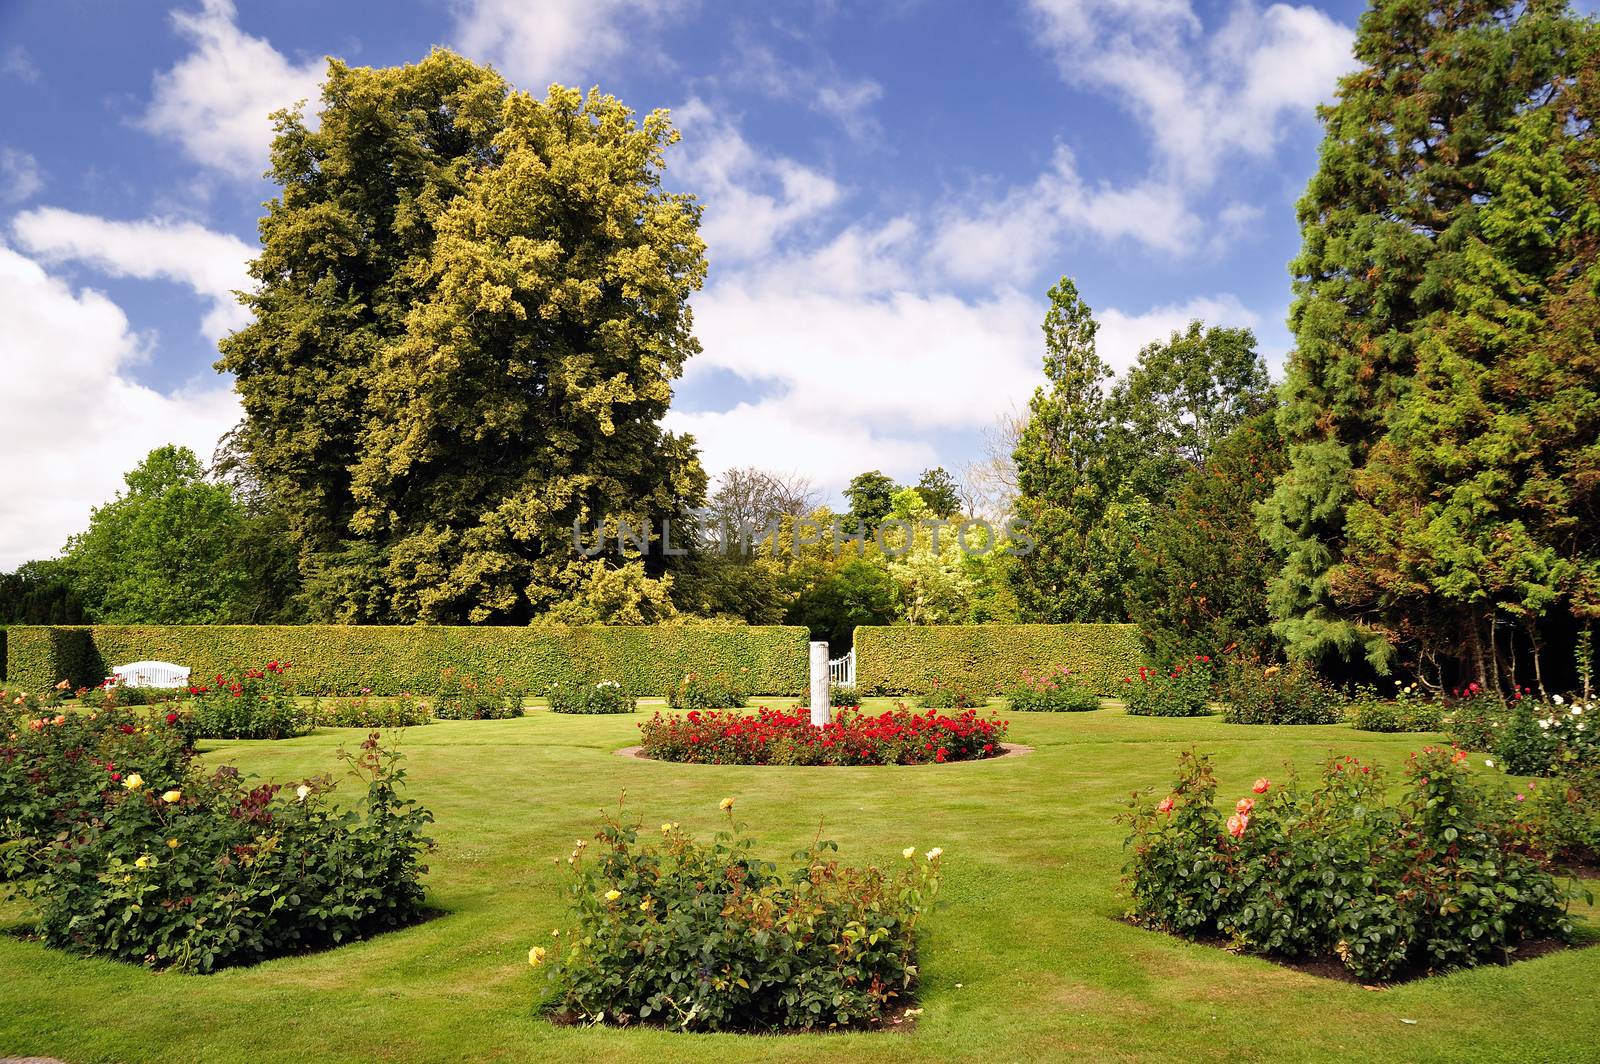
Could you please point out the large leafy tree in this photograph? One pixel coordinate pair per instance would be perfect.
(1439, 403)
(472, 305)
(1181, 399)
(871, 497)
(162, 552)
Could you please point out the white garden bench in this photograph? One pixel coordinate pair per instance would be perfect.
(152, 674)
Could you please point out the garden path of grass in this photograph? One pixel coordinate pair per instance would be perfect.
(1027, 960)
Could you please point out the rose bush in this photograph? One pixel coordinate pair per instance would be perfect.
(366, 711)
(784, 737)
(255, 704)
(1436, 878)
(951, 696)
(1058, 691)
(463, 697)
(1278, 694)
(55, 770)
(199, 871)
(699, 691)
(1529, 737)
(1410, 710)
(607, 696)
(1181, 690)
(708, 937)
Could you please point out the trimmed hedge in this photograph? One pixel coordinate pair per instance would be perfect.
(342, 659)
(907, 659)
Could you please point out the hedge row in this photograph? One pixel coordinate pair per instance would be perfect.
(905, 659)
(345, 658)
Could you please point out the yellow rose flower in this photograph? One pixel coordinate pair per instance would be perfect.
(172, 844)
(644, 906)
(727, 804)
(665, 827)
(613, 895)
(134, 781)
(143, 862)
(171, 796)
(536, 956)
(908, 852)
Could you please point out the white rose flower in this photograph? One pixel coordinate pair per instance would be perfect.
(1558, 700)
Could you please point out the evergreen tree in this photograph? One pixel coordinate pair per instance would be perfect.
(1427, 272)
(1069, 484)
(1202, 583)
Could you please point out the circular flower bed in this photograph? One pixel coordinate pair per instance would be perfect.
(786, 737)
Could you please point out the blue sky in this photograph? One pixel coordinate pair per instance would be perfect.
(890, 189)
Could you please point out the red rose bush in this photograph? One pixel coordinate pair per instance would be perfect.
(787, 737)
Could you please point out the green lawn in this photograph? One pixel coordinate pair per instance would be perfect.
(1027, 961)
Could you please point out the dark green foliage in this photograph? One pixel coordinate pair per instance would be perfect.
(951, 696)
(1183, 689)
(838, 600)
(1406, 712)
(344, 659)
(39, 593)
(1441, 408)
(607, 696)
(219, 871)
(870, 496)
(940, 492)
(734, 944)
(1286, 694)
(906, 659)
(1434, 880)
(252, 704)
(462, 696)
(1203, 567)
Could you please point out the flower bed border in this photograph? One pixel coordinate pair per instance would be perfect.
(637, 753)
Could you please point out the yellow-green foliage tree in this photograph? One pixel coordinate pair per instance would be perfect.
(472, 305)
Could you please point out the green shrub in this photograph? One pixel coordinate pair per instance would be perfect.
(906, 658)
(1528, 737)
(607, 696)
(732, 944)
(219, 871)
(1409, 711)
(1563, 816)
(1181, 690)
(256, 704)
(368, 711)
(1057, 691)
(1432, 881)
(951, 696)
(55, 770)
(342, 659)
(1287, 694)
(463, 697)
(114, 692)
(697, 690)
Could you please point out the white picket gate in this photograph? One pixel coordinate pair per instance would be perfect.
(842, 671)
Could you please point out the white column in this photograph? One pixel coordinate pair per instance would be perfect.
(821, 710)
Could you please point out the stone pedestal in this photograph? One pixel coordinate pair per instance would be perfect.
(821, 708)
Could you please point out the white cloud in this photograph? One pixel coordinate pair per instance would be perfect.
(211, 264)
(1201, 95)
(752, 199)
(64, 355)
(215, 102)
(558, 40)
(1010, 238)
(19, 175)
(18, 64)
(820, 87)
(1121, 335)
